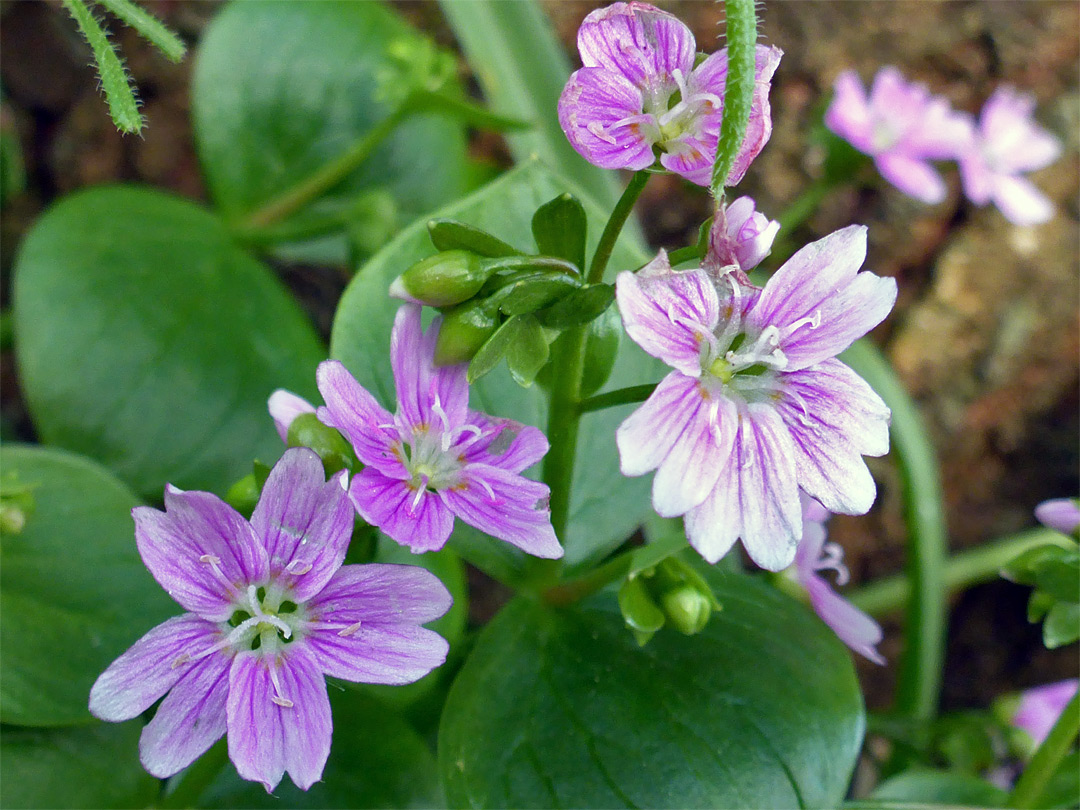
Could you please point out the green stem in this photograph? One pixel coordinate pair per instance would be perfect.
(615, 225)
(114, 79)
(149, 26)
(741, 36)
(961, 571)
(1047, 758)
(621, 396)
(324, 179)
(919, 683)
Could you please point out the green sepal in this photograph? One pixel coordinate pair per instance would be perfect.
(337, 454)
(447, 278)
(580, 306)
(494, 349)
(559, 228)
(685, 596)
(1062, 625)
(449, 234)
(465, 328)
(261, 471)
(639, 611)
(528, 352)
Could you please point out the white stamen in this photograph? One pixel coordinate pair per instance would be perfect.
(832, 557)
(597, 129)
(487, 488)
(419, 494)
(813, 321)
(348, 631)
(277, 697)
(180, 660)
(297, 567)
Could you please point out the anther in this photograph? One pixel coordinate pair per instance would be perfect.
(180, 660)
(297, 567)
(348, 631)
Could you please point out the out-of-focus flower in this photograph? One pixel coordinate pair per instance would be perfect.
(1059, 514)
(639, 93)
(1006, 144)
(739, 236)
(271, 611)
(857, 630)
(902, 126)
(284, 407)
(435, 458)
(1041, 707)
(757, 405)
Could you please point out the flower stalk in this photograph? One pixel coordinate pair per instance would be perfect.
(741, 22)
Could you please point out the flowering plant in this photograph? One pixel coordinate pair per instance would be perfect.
(544, 524)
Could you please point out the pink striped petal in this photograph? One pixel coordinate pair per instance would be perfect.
(913, 176)
(423, 523)
(647, 436)
(426, 395)
(365, 423)
(506, 444)
(601, 115)
(857, 630)
(379, 653)
(380, 593)
(636, 40)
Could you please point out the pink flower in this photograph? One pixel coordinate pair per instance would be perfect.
(435, 458)
(284, 407)
(1041, 707)
(857, 630)
(757, 406)
(902, 126)
(271, 611)
(739, 236)
(1006, 144)
(1060, 514)
(639, 91)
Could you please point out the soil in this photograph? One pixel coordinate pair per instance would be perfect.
(985, 334)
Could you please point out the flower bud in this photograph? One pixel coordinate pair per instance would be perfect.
(686, 598)
(639, 610)
(336, 454)
(464, 330)
(442, 280)
(243, 495)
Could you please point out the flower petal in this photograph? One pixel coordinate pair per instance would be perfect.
(379, 653)
(601, 114)
(304, 521)
(1060, 514)
(669, 316)
(307, 725)
(151, 667)
(506, 444)
(200, 550)
(691, 157)
(646, 437)
(1041, 707)
(1020, 202)
(913, 176)
(426, 395)
(857, 630)
(1009, 130)
(507, 506)
(365, 423)
(849, 113)
(422, 523)
(835, 419)
(189, 720)
(380, 593)
(636, 40)
(820, 302)
(284, 406)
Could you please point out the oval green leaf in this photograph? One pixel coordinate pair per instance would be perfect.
(606, 506)
(563, 709)
(147, 340)
(74, 592)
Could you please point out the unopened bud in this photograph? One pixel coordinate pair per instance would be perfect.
(243, 495)
(639, 611)
(442, 280)
(687, 608)
(307, 431)
(464, 330)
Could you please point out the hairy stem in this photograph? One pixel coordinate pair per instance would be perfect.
(741, 24)
(123, 108)
(149, 26)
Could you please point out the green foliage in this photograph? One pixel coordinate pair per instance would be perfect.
(1054, 573)
(559, 228)
(562, 708)
(927, 786)
(74, 592)
(149, 341)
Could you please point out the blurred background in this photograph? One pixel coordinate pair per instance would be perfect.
(985, 334)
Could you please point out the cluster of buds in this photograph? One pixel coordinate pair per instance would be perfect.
(670, 592)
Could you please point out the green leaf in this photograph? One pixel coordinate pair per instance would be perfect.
(563, 709)
(529, 353)
(74, 592)
(1062, 625)
(149, 341)
(559, 228)
(1059, 576)
(495, 348)
(267, 119)
(89, 767)
(607, 506)
(578, 307)
(377, 760)
(449, 234)
(530, 291)
(927, 786)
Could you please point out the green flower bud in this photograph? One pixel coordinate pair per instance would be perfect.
(243, 495)
(442, 280)
(336, 454)
(464, 330)
(687, 608)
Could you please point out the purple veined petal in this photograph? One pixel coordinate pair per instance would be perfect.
(914, 177)
(601, 115)
(304, 521)
(365, 423)
(426, 395)
(819, 300)
(278, 717)
(691, 157)
(690, 470)
(646, 437)
(857, 630)
(200, 550)
(638, 41)
(151, 667)
(1020, 202)
(849, 113)
(376, 652)
(976, 177)
(284, 407)
(504, 443)
(813, 512)
(189, 720)
(834, 419)
(421, 522)
(713, 526)
(768, 494)
(808, 553)
(382, 594)
(669, 316)
(1060, 514)
(507, 506)
(1041, 707)
(739, 235)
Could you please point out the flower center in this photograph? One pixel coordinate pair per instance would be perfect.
(671, 112)
(265, 620)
